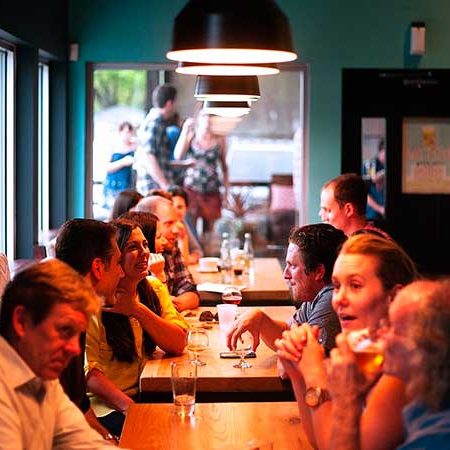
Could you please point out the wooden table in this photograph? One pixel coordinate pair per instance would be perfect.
(218, 426)
(218, 378)
(266, 287)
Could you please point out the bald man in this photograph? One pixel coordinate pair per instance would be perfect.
(179, 280)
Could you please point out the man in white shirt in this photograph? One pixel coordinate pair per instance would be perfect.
(44, 310)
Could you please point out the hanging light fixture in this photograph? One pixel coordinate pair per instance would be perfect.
(230, 32)
(226, 109)
(225, 89)
(226, 69)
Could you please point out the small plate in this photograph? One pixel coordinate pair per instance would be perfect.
(207, 270)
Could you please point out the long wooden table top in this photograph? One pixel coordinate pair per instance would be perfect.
(217, 426)
(266, 287)
(219, 375)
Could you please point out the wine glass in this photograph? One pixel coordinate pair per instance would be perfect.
(232, 295)
(243, 346)
(197, 341)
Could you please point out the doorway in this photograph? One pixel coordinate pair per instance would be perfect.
(269, 142)
(407, 110)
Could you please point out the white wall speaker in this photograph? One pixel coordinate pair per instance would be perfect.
(74, 52)
(417, 38)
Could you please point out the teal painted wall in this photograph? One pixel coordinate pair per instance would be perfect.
(329, 35)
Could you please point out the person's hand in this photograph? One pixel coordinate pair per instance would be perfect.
(126, 304)
(156, 263)
(290, 346)
(181, 229)
(345, 379)
(299, 350)
(249, 321)
(189, 125)
(193, 259)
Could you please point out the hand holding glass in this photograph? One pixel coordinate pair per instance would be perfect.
(368, 350)
(243, 346)
(197, 341)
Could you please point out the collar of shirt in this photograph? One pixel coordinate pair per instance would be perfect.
(16, 372)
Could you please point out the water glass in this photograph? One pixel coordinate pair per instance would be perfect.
(227, 314)
(184, 381)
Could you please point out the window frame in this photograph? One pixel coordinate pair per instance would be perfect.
(7, 150)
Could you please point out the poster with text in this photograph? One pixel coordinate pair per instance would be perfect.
(426, 156)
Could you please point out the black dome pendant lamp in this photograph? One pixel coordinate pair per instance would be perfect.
(232, 32)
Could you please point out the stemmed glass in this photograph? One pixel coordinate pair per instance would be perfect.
(243, 346)
(197, 341)
(232, 295)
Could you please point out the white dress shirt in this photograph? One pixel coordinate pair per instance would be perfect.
(37, 414)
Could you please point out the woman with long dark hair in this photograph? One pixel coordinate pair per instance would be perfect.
(119, 341)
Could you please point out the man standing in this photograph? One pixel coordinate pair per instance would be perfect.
(89, 246)
(310, 257)
(44, 311)
(179, 280)
(153, 158)
(343, 202)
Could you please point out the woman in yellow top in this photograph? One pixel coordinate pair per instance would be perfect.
(119, 340)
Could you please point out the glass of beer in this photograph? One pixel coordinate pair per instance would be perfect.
(368, 350)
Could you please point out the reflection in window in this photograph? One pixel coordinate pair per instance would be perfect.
(373, 166)
(7, 225)
(43, 149)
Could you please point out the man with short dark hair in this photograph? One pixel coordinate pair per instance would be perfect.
(179, 280)
(310, 257)
(343, 202)
(45, 309)
(89, 246)
(153, 163)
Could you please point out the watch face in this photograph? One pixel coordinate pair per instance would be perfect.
(312, 396)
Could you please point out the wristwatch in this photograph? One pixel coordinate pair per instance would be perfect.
(315, 396)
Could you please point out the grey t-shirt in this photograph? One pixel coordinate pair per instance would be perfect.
(320, 312)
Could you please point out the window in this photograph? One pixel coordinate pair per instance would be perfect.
(43, 149)
(7, 195)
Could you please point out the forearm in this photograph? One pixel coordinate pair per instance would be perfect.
(107, 391)
(374, 205)
(320, 417)
(95, 424)
(156, 172)
(182, 144)
(168, 336)
(271, 330)
(187, 300)
(114, 166)
(345, 427)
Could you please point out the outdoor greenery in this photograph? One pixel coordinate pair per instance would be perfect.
(119, 87)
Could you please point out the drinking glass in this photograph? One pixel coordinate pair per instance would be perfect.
(184, 380)
(243, 346)
(227, 315)
(368, 350)
(232, 295)
(197, 341)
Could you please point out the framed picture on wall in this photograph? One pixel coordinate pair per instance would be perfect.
(426, 156)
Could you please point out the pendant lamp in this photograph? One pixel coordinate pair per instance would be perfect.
(226, 69)
(226, 109)
(222, 88)
(231, 32)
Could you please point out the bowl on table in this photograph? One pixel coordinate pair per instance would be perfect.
(208, 264)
